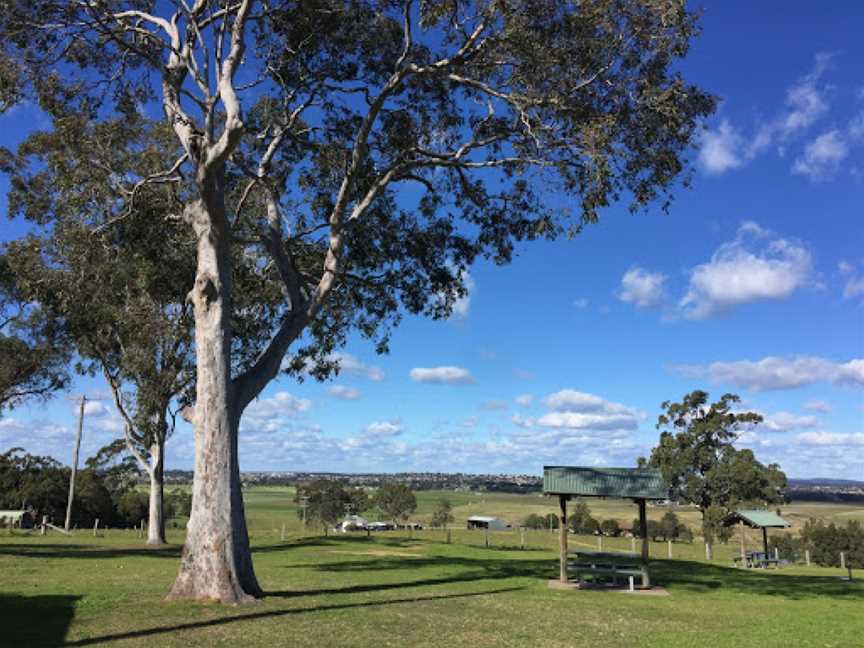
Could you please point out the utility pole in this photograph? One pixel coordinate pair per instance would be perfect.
(75, 464)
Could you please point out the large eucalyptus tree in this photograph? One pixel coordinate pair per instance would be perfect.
(385, 145)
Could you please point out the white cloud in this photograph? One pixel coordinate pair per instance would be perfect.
(773, 373)
(806, 100)
(354, 367)
(822, 157)
(384, 428)
(462, 305)
(854, 285)
(579, 410)
(345, 393)
(581, 303)
(820, 406)
(725, 147)
(831, 439)
(279, 404)
(784, 422)
(720, 149)
(642, 288)
(524, 399)
(446, 375)
(755, 266)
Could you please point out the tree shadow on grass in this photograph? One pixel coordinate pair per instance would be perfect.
(676, 575)
(198, 625)
(35, 620)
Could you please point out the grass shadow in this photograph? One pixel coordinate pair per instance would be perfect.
(254, 616)
(36, 620)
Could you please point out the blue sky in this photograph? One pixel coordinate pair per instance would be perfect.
(753, 283)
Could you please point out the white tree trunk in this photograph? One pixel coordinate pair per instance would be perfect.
(156, 523)
(216, 563)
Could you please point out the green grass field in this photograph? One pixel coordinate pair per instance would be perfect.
(392, 590)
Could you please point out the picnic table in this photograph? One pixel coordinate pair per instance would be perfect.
(607, 565)
(756, 559)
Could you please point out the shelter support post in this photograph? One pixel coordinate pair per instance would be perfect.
(643, 531)
(765, 540)
(743, 544)
(562, 538)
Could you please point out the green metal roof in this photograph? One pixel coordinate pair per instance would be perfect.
(757, 518)
(638, 483)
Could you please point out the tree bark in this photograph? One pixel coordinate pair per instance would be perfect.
(156, 522)
(216, 563)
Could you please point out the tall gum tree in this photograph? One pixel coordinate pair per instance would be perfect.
(384, 146)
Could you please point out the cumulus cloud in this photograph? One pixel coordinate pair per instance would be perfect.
(446, 375)
(279, 404)
(822, 157)
(352, 366)
(775, 373)
(820, 406)
(345, 393)
(785, 422)
(384, 428)
(524, 399)
(642, 288)
(756, 266)
(721, 149)
(580, 410)
(831, 439)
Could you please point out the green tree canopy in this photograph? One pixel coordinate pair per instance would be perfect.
(443, 513)
(396, 501)
(697, 457)
(383, 146)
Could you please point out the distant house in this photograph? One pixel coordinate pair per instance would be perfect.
(486, 522)
(380, 526)
(354, 523)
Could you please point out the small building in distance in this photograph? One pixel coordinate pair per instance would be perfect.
(486, 522)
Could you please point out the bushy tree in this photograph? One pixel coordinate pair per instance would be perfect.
(534, 521)
(396, 501)
(580, 521)
(825, 542)
(327, 502)
(443, 513)
(329, 110)
(610, 528)
(697, 457)
(33, 353)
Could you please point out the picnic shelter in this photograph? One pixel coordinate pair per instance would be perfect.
(756, 519)
(637, 484)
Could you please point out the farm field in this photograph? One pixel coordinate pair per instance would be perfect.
(395, 590)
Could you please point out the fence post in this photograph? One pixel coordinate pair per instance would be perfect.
(777, 553)
(448, 536)
(283, 532)
(95, 527)
(842, 560)
(522, 538)
(599, 543)
(44, 524)
(633, 543)
(487, 537)
(669, 544)
(807, 556)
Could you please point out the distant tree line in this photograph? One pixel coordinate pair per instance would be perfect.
(824, 542)
(324, 502)
(105, 489)
(580, 521)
